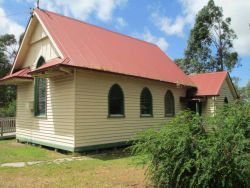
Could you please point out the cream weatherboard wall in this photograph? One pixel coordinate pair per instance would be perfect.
(208, 106)
(57, 128)
(215, 102)
(226, 90)
(40, 45)
(94, 127)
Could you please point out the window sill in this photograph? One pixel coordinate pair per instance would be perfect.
(116, 116)
(146, 115)
(169, 115)
(41, 116)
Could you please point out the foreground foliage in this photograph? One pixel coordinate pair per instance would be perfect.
(192, 152)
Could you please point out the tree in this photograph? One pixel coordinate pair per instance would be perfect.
(183, 65)
(9, 110)
(8, 46)
(21, 39)
(8, 52)
(210, 44)
(246, 91)
(239, 89)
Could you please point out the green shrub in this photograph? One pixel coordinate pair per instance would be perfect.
(235, 116)
(9, 110)
(183, 154)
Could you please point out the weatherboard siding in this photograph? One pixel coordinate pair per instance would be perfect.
(93, 126)
(225, 91)
(40, 45)
(57, 128)
(214, 103)
(208, 107)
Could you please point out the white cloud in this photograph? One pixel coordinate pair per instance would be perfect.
(83, 9)
(149, 37)
(237, 10)
(175, 26)
(120, 22)
(168, 25)
(190, 8)
(8, 25)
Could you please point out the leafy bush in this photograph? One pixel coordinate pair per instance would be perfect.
(184, 154)
(235, 116)
(9, 110)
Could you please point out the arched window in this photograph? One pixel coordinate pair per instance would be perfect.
(116, 101)
(169, 104)
(225, 100)
(40, 92)
(146, 103)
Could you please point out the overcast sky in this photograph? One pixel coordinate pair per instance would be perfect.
(164, 22)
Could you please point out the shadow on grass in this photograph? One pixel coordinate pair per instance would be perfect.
(8, 137)
(108, 154)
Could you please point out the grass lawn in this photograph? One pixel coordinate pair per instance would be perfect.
(11, 151)
(108, 169)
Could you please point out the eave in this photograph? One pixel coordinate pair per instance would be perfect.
(16, 80)
(18, 77)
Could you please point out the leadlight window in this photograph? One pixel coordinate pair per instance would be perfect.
(40, 92)
(169, 104)
(146, 103)
(116, 101)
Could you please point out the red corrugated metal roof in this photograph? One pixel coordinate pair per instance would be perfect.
(92, 47)
(50, 63)
(208, 84)
(23, 73)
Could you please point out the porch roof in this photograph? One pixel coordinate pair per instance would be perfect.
(19, 75)
(49, 64)
(208, 84)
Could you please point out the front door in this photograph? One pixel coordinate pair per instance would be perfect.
(195, 106)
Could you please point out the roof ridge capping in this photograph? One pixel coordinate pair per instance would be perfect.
(219, 72)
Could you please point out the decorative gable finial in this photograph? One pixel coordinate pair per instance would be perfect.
(37, 4)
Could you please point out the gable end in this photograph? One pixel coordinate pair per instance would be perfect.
(35, 32)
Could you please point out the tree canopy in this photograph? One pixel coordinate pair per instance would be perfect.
(243, 91)
(8, 52)
(246, 91)
(210, 44)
